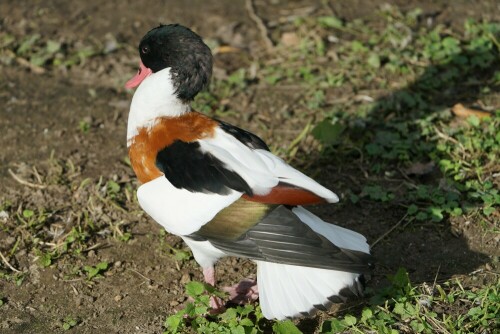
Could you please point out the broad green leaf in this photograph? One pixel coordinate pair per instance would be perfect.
(330, 22)
(194, 289)
(350, 320)
(327, 132)
(285, 327)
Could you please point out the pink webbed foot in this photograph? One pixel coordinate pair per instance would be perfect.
(245, 291)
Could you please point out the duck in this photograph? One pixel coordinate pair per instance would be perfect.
(221, 189)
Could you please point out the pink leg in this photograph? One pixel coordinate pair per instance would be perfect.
(216, 303)
(209, 275)
(244, 292)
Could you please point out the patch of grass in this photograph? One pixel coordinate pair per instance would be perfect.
(74, 218)
(38, 52)
(179, 255)
(404, 308)
(196, 316)
(413, 126)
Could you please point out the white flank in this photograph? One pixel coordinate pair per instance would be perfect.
(287, 291)
(204, 253)
(180, 211)
(261, 169)
(155, 97)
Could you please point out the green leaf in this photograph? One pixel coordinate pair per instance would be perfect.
(366, 314)
(412, 209)
(488, 210)
(173, 322)
(200, 310)
(189, 309)
(53, 46)
(350, 320)
(113, 187)
(374, 149)
(421, 216)
(400, 279)
(229, 314)
(247, 322)
(332, 326)
(27, 44)
(181, 255)
(45, 259)
(399, 309)
(285, 327)
(28, 213)
(238, 330)
(327, 132)
(373, 60)
(102, 266)
(354, 198)
(417, 326)
(194, 288)
(456, 212)
(436, 214)
(330, 22)
(475, 311)
(473, 120)
(357, 46)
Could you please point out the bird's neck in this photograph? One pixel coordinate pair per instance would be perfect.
(155, 97)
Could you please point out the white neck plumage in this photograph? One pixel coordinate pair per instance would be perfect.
(155, 97)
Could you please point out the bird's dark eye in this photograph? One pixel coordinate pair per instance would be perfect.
(145, 49)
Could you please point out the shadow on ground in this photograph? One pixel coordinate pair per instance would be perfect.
(428, 250)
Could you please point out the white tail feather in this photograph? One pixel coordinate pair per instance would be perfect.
(287, 291)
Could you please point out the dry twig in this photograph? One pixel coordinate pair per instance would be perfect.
(249, 5)
(8, 264)
(389, 231)
(24, 182)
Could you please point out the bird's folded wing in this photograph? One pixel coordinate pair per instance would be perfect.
(271, 179)
(277, 234)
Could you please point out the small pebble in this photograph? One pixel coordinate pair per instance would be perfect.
(185, 279)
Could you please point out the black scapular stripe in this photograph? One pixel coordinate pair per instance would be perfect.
(247, 138)
(186, 166)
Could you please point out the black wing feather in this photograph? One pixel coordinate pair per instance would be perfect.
(186, 166)
(247, 138)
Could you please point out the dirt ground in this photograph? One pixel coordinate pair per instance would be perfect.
(40, 119)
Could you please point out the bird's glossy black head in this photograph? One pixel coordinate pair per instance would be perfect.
(182, 50)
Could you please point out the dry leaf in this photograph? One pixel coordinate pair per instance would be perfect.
(460, 111)
(226, 49)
